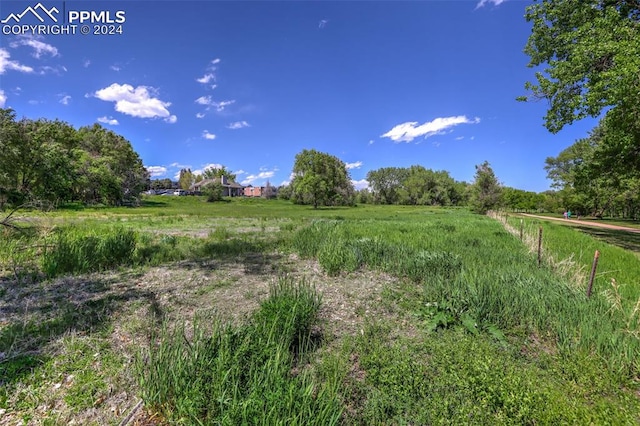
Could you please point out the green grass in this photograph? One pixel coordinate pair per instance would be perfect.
(242, 375)
(470, 330)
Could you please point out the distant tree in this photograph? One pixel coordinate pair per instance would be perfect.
(364, 196)
(269, 191)
(213, 191)
(285, 192)
(321, 179)
(485, 192)
(186, 179)
(217, 172)
(386, 183)
(165, 183)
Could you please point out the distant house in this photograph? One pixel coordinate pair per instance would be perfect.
(260, 191)
(229, 189)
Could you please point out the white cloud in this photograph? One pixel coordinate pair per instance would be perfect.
(240, 172)
(219, 106)
(355, 165)
(108, 120)
(156, 171)
(206, 78)
(65, 100)
(199, 115)
(252, 178)
(323, 23)
(360, 184)
(216, 61)
(287, 182)
(481, 3)
(459, 138)
(238, 125)
(204, 100)
(86, 63)
(7, 64)
(3, 98)
(115, 68)
(137, 102)
(371, 142)
(39, 47)
(208, 135)
(53, 70)
(407, 132)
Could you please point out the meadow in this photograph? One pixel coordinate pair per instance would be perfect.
(264, 312)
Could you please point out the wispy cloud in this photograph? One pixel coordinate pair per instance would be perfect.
(262, 175)
(323, 23)
(139, 102)
(407, 132)
(3, 98)
(371, 142)
(482, 3)
(355, 165)
(215, 61)
(86, 63)
(208, 135)
(238, 125)
(108, 120)
(219, 106)
(115, 68)
(39, 47)
(65, 99)
(206, 78)
(8, 64)
(200, 115)
(156, 171)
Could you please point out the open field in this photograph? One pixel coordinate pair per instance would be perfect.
(255, 311)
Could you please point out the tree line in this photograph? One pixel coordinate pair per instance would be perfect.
(50, 161)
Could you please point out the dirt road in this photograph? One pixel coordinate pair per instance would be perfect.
(584, 223)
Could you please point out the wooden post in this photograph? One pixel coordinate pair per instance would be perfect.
(540, 247)
(593, 273)
(521, 228)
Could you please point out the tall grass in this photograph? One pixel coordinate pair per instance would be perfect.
(475, 273)
(74, 250)
(252, 374)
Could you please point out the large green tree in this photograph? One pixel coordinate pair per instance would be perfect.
(51, 161)
(592, 52)
(321, 179)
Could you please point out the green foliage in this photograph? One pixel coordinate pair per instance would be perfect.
(51, 161)
(77, 250)
(592, 49)
(485, 191)
(186, 179)
(242, 375)
(321, 179)
(462, 378)
(415, 186)
(213, 191)
(217, 172)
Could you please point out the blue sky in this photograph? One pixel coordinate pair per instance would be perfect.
(248, 85)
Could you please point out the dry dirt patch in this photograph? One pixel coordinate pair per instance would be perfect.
(120, 308)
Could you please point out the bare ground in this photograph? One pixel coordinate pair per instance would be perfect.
(120, 308)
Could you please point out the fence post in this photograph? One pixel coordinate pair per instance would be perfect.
(593, 273)
(521, 228)
(540, 247)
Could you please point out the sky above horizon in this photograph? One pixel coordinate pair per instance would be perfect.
(248, 85)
